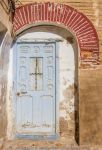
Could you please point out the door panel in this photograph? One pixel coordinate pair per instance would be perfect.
(35, 100)
(24, 113)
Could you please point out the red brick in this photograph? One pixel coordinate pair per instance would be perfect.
(78, 23)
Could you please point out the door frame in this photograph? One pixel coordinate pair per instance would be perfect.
(36, 137)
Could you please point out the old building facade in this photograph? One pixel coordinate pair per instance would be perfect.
(50, 74)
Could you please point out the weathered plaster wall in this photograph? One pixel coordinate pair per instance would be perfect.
(5, 17)
(5, 43)
(91, 106)
(4, 61)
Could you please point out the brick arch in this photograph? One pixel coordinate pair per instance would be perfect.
(61, 14)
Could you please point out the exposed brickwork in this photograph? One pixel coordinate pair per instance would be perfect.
(64, 15)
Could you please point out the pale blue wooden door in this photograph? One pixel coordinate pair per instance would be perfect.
(35, 100)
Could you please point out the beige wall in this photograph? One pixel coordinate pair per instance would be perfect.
(5, 17)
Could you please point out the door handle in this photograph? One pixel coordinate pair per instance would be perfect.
(23, 92)
(19, 93)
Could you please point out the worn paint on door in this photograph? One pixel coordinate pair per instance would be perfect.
(35, 94)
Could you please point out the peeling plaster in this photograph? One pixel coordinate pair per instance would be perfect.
(10, 106)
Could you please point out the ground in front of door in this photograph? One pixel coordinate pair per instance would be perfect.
(44, 145)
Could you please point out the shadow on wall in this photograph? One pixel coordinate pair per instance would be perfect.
(66, 35)
(3, 31)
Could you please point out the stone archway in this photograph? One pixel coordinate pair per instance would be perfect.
(66, 16)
